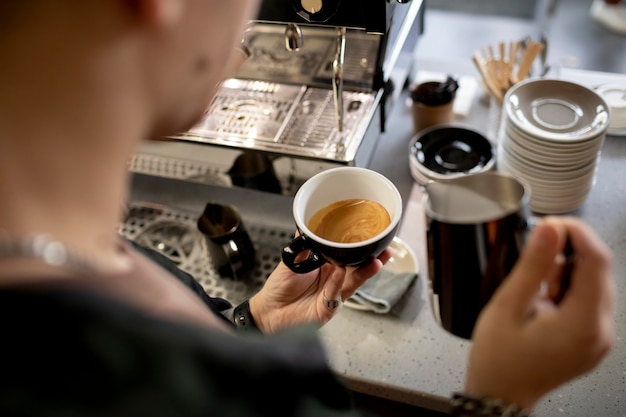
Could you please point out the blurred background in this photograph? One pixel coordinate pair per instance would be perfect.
(455, 29)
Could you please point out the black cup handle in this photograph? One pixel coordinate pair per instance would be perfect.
(293, 249)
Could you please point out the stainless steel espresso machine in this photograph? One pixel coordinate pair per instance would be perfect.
(314, 93)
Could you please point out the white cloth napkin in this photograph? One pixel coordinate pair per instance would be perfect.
(381, 292)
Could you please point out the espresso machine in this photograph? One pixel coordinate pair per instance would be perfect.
(314, 93)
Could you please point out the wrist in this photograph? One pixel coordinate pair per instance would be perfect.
(257, 311)
(468, 405)
(244, 319)
(490, 385)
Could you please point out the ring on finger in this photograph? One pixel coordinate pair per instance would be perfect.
(331, 304)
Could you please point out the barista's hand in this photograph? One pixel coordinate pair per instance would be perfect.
(288, 299)
(525, 344)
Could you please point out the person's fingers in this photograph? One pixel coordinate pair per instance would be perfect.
(385, 256)
(591, 288)
(535, 264)
(333, 287)
(556, 281)
(365, 272)
(354, 279)
(587, 307)
(357, 276)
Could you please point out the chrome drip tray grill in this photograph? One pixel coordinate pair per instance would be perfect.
(288, 119)
(173, 233)
(245, 110)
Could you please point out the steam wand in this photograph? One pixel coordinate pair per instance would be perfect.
(293, 37)
(338, 76)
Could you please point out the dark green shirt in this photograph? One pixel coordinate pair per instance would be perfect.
(69, 352)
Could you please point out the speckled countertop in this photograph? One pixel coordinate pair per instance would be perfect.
(405, 356)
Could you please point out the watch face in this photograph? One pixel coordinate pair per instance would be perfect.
(316, 10)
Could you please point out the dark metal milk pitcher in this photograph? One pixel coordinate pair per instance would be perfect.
(475, 227)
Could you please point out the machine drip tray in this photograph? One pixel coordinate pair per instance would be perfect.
(173, 233)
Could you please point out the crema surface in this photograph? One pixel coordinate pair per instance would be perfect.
(349, 221)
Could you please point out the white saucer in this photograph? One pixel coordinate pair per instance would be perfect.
(403, 258)
(615, 97)
(613, 94)
(556, 110)
(616, 132)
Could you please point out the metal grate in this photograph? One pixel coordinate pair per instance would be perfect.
(319, 130)
(285, 119)
(179, 169)
(245, 110)
(174, 234)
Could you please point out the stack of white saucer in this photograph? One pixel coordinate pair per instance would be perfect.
(551, 136)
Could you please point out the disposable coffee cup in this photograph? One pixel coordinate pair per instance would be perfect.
(308, 250)
(476, 227)
(432, 104)
(228, 243)
(425, 116)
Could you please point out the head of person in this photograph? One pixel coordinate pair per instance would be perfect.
(159, 61)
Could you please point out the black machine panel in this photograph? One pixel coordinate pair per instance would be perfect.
(370, 15)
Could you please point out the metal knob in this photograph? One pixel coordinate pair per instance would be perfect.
(312, 6)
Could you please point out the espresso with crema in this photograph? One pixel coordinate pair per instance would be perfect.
(349, 221)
